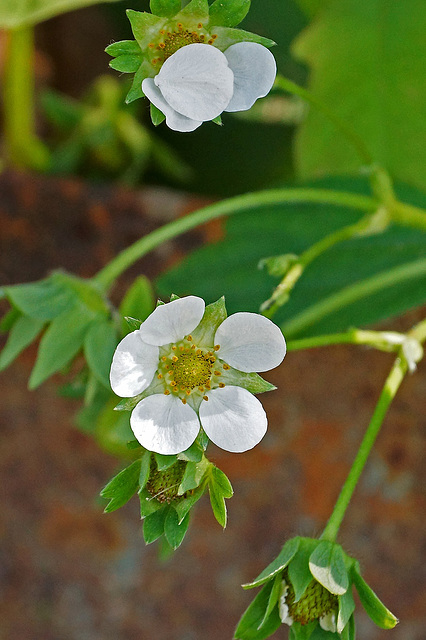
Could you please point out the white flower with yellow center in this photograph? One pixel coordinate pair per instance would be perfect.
(189, 366)
(198, 82)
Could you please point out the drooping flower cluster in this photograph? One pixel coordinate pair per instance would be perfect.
(189, 366)
(191, 67)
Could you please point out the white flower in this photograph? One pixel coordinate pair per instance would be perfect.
(198, 82)
(283, 606)
(328, 622)
(185, 381)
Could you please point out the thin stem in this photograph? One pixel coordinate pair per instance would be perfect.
(357, 143)
(22, 146)
(231, 206)
(322, 341)
(408, 215)
(352, 293)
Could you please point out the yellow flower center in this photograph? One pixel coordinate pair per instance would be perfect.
(192, 369)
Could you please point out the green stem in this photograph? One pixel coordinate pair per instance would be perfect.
(389, 391)
(322, 341)
(357, 143)
(231, 206)
(351, 294)
(408, 215)
(23, 148)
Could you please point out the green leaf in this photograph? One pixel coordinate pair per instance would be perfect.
(60, 343)
(222, 481)
(248, 626)
(22, 334)
(153, 524)
(319, 634)
(214, 315)
(303, 631)
(122, 487)
(375, 608)
(183, 506)
(99, 346)
(228, 13)
(148, 504)
(193, 476)
(229, 267)
(167, 8)
(217, 502)
(353, 47)
(346, 609)
(164, 462)
(157, 116)
(174, 529)
(9, 319)
(327, 565)
(139, 300)
(42, 300)
(299, 573)
(286, 554)
(124, 47)
(15, 14)
(145, 469)
(273, 599)
(126, 63)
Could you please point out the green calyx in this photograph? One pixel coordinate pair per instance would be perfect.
(316, 602)
(164, 485)
(158, 35)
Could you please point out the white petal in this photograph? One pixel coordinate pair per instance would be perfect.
(254, 70)
(133, 365)
(164, 424)
(196, 81)
(174, 120)
(250, 342)
(173, 321)
(328, 622)
(283, 606)
(233, 419)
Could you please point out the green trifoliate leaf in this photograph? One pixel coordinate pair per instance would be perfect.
(346, 609)
(122, 487)
(375, 608)
(248, 626)
(253, 382)
(299, 573)
(286, 554)
(99, 346)
(327, 565)
(228, 13)
(214, 315)
(175, 529)
(60, 343)
(42, 300)
(23, 332)
(227, 37)
(124, 47)
(165, 8)
(157, 116)
(126, 63)
(193, 476)
(273, 599)
(153, 524)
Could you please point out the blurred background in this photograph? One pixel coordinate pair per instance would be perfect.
(69, 572)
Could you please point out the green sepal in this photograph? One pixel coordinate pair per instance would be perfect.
(145, 27)
(248, 626)
(139, 300)
(124, 47)
(214, 315)
(145, 469)
(157, 116)
(175, 529)
(286, 554)
(193, 454)
(148, 504)
(348, 632)
(228, 13)
(183, 506)
(253, 382)
(346, 609)
(375, 608)
(318, 633)
(218, 120)
(153, 524)
(299, 573)
(133, 444)
(122, 487)
(9, 319)
(60, 343)
(128, 404)
(164, 462)
(303, 631)
(327, 565)
(193, 476)
(133, 323)
(196, 9)
(165, 8)
(126, 63)
(99, 346)
(222, 481)
(273, 599)
(23, 332)
(219, 489)
(227, 37)
(135, 92)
